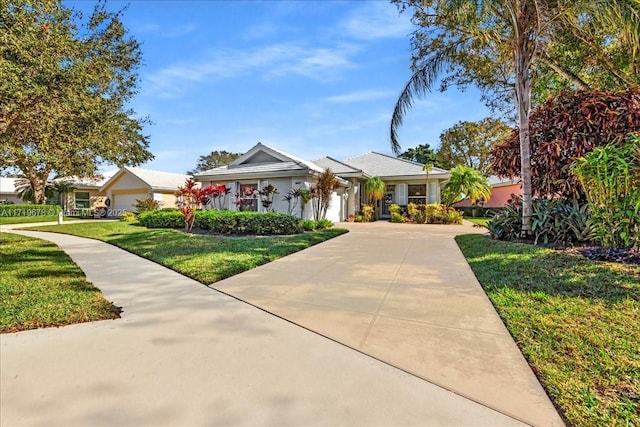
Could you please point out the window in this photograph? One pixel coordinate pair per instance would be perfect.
(83, 201)
(247, 197)
(417, 193)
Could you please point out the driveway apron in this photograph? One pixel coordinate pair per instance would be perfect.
(405, 295)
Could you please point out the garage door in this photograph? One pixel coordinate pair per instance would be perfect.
(125, 202)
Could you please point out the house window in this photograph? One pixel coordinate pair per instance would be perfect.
(247, 197)
(417, 193)
(83, 201)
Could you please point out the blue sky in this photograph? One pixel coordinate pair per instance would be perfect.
(312, 78)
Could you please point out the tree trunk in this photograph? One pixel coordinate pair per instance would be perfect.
(523, 53)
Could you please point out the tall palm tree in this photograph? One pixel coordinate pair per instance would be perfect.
(466, 183)
(494, 44)
(24, 188)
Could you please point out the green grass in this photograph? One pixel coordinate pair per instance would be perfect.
(480, 221)
(206, 259)
(30, 219)
(41, 286)
(576, 321)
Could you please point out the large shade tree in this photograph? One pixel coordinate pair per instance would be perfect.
(213, 160)
(66, 81)
(503, 46)
(470, 143)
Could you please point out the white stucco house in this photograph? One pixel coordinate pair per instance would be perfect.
(264, 165)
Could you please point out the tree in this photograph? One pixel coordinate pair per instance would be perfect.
(465, 182)
(375, 188)
(565, 128)
(65, 85)
(423, 153)
(500, 46)
(321, 193)
(470, 143)
(25, 190)
(63, 188)
(213, 160)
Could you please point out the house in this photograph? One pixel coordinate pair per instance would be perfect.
(130, 184)
(8, 193)
(264, 165)
(501, 191)
(85, 193)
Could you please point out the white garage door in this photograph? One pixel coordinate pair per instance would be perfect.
(125, 202)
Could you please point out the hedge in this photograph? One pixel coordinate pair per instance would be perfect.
(226, 222)
(23, 210)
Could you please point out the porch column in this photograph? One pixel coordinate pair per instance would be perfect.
(351, 198)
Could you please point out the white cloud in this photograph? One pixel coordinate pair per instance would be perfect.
(359, 96)
(377, 20)
(276, 60)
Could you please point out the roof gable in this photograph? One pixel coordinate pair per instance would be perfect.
(156, 180)
(339, 168)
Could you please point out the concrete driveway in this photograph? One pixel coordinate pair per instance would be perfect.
(430, 348)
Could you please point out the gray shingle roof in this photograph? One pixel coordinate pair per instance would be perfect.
(382, 165)
(338, 167)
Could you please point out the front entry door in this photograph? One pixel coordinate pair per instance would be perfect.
(387, 200)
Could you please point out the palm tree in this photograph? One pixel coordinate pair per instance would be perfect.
(466, 182)
(63, 188)
(494, 43)
(24, 188)
(374, 188)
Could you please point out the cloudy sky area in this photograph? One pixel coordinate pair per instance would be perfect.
(312, 78)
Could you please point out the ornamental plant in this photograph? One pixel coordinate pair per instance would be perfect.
(190, 197)
(610, 178)
(321, 193)
(267, 194)
(246, 197)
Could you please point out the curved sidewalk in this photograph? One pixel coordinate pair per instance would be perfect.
(185, 354)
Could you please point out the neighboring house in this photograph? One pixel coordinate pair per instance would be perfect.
(501, 191)
(130, 184)
(8, 193)
(86, 192)
(263, 165)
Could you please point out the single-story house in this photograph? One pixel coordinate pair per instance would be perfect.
(131, 183)
(86, 192)
(264, 165)
(8, 193)
(501, 191)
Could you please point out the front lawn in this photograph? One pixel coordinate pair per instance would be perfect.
(31, 219)
(41, 286)
(576, 321)
(479, 221)
(204, 258)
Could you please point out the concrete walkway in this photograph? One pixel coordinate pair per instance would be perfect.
(184, 354)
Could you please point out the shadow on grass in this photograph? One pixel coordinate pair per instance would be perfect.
(533, 269)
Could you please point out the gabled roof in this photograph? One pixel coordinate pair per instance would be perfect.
(384, 166)
(96, 181)
(262, 160)
(156, 180)
(340, 168)
(496, 181)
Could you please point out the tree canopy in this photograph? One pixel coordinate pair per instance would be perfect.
(214, 160)
(470, 143)
(423, 153)
(66, 81)
(565, 128)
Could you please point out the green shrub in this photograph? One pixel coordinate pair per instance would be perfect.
(367, 213)
(507, 223)
(128, 217)
(359, 218)
(395, 209)
(146, 204)
(396, 217)
(24, 210)
(234, 222)
(161, 219)
(323, 223)
(309, 225)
